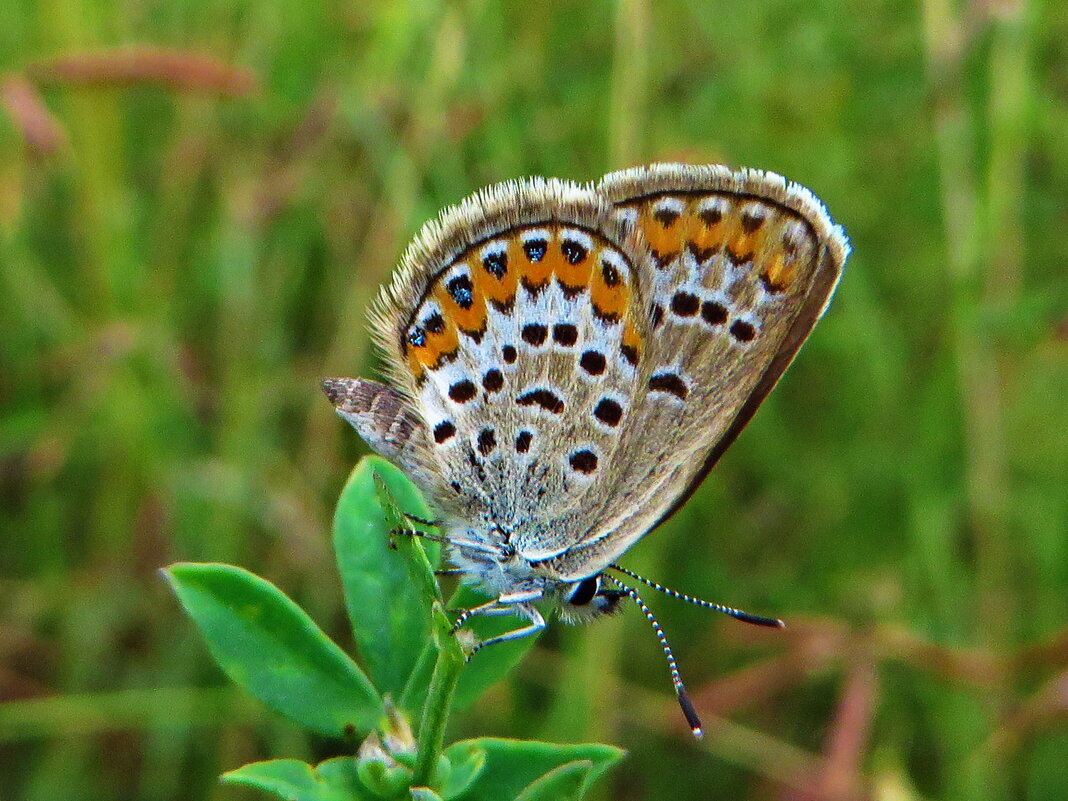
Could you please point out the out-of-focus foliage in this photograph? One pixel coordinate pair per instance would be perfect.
(198, 200)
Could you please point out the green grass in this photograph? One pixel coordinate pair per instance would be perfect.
(177, 272)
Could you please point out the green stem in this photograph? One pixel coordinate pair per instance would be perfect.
(438, 700)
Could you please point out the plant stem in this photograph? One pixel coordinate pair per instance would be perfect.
(438, 700)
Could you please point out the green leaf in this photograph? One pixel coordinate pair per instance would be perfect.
(269, 646)
(491, 664)
(290, 779)
(511, 765)
(565, 783)
(385, 587)
(466, 762)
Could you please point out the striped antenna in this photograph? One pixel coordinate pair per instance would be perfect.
(738, 614)
(688, 711)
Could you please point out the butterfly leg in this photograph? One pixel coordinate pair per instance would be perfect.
(537, 623)
(422, 521)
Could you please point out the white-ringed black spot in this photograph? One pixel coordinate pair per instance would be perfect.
(487, 441)
(670, 383)
(583, 461)
(713, 313)
(565, 334)
(685, 304)
(743, 331)
(461, 291)
(522, 442)
(435, 323)
(462, 391)
(535, 249)
(444, 431)
(509, 354)
(593, 362)
(493, 380)
(608, 412)
(546, 399)
(496, 264)
(534, 334)
(573, 251)
(610, 273)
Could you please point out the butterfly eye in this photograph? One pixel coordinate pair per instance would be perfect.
(584, 591)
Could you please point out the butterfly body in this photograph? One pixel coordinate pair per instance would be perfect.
(567, 362)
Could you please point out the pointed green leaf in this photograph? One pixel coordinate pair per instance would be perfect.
(565, 783)
(270, 647)
(385, 587)
(290, 779)
(511, 765)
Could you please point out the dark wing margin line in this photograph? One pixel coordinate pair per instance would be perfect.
(819, 294)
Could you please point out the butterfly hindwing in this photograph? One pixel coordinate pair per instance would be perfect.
(515, 330)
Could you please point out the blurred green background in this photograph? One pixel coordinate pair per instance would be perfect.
(197, 201)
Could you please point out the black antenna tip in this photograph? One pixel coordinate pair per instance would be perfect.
(757, 620)
(690, 713)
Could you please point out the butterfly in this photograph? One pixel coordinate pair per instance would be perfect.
(567, 362)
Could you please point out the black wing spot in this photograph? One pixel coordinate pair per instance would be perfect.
(496, 264)
(565, 334)
(535, 249)
(462, 391)
(710, 217)
(608, 412)
(544, 398)
(685, 304)
(573, 251)
(670, 383)
(461, 290)
(713, 313)
(666, 217)
(487, 441)
(584, 461)
(509, 354)
(743, 331)
(444, 431)
(751, 222)
(610, 273)
(435, 323)
(493, 380)
(593, 362)
(522, 442)
(534, 334)
(417, 337)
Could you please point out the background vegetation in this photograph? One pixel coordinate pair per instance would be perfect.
(197, 201)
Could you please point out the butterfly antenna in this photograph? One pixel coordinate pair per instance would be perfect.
(738, 614)
(688, 711)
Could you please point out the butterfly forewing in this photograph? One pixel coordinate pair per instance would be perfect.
(740, 266)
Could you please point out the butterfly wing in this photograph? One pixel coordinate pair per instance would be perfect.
(741, 264)
(513, 337)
